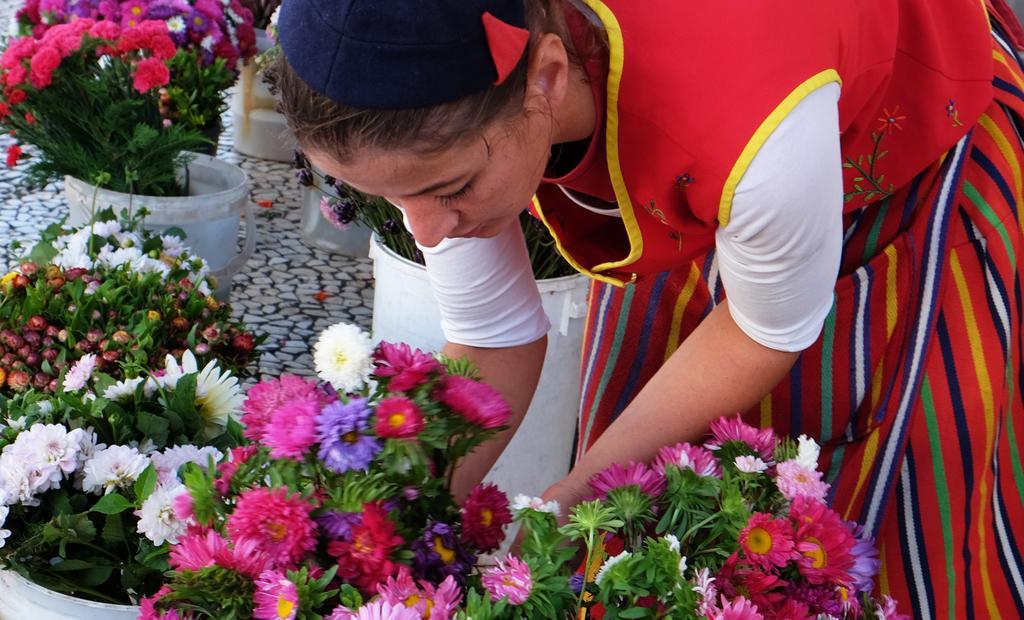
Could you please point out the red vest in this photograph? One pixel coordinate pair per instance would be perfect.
(695, 88)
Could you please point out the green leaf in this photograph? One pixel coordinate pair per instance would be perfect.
(145, 484)
(152, 427)
(112, 504)
(42, 253)
(113, 530)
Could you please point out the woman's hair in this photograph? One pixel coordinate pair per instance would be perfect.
(325, 125)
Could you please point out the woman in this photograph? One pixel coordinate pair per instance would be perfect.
(840, 172)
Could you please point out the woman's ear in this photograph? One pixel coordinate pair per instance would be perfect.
(547, 74)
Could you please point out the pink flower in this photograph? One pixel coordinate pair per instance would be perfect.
(485, 514)
(688, 456)
(267, 396)
(279, 525)
(735, 429)
(197, 549)
(151, 73)
(246, 557)
(226, 469)
(887, 609)
(824, 542)
(737, 609)
(292, 429)
(768, 541)
(793, 480)
(430, 601)
(43, 64)
(183, 506)
(617, 476)
(276, 597)
(399, 418)
(19, 50)
(105, 29)
(148, 610)
(377, 610)
(478, 402)
(509, 579)
(408, 368)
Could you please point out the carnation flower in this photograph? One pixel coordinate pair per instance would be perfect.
(406, 367)
(157, 519)
(398, 418)
(49, 449)
(122, 389)
(793, 480)
(509, 579)
(343, 356)
(116, 467)
(767, 541)
(170, 460)
(278, 524)
(365, 560)
(750, 464)
(477, 402)
(267, 396)
(823, 541)
(439, 554)
(688, 456)
(485, 514)
(616, 476)
(150, 73)
(80, 373)
(343, 446)
(292, 429)
(735, 429)
(276, 597)
(525, 502)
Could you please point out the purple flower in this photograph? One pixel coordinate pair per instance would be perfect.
(340, 213)
(865, 559)
(821, 599)
(576, 583)
(439, 555)
(339, 525)
(343, 446)
(198, 23)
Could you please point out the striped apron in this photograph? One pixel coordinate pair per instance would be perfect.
(914, 386)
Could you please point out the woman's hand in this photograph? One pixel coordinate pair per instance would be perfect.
(567, 492)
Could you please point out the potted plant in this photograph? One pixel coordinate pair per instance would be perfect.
(259, 130)
(401, 283)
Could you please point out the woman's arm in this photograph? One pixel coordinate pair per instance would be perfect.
(717, 371)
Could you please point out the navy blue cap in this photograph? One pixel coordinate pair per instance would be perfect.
(387, 54)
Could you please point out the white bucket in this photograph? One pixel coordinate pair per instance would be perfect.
(404, 310)
(210, 215)
(20, 599)
(258, 129)
(319, 233)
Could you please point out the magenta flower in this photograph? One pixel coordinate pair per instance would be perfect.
(509, 579)
(266, 397)
(768, 541)
(651, 482)
(398, 418)
(276, 597)
(292, 429)
(478, 402)
(279, 525)
(688, 456)
(430, 601)
(735, 429)
(794, 480)
(737, 609)
(196, 550)
(407, 368)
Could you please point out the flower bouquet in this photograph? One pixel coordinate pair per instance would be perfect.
(345, 487)
(210, 38)
(89, 476)
(122, 298)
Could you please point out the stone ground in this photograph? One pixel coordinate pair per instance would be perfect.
(287, 290)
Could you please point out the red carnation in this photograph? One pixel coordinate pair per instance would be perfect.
(105, 30)
(13, 154)
(151, 73)
(29, 117)
(43, 64)
(484, 517)
(16, 97)
(4, 110)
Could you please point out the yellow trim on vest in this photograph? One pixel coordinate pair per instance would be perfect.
(568, 258)
(615, 63)
(761, 136)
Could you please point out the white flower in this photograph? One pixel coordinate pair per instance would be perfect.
(112, 468)
(343, 356)
(682, 567)
(173, 246)
(88, 446)
(123, 389)
(4, 534)
(608, 564)
(706, 590)
(168, 462)
(750, 464)
(22, 483)
(523, 502)
(80, 373)
(157, 521)
(48, 447)
(217, 393)
(19, 424)
(807, 452)
(176, 24)
(673, 542)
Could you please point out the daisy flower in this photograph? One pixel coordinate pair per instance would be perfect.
(343, 357)
(80, 373)
(276, 597)
(123, 390)
(767, 540)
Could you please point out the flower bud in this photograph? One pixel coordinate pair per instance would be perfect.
(40, 380)
(29, 268)
(93, 335)
(179, 323)
(122, 337)
(36, 322)
(243, 342)
(18, 380)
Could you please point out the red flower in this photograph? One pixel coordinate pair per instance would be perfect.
(29, 117)
(484, 517)
(17, 51)
(13, 153)
(407, 367)
(43, 64)
(105, 30)
(4, 110)
(398, 417)
(151, 73)
(16, 97)
(478, 402)
(365, 560)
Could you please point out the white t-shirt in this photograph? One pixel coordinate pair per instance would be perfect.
(778, 256)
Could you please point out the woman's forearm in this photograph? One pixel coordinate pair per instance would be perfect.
(717, 371)
(514, 372)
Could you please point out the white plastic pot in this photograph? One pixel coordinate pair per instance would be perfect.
(20, 599)
(258, 129)
(321, 234)
(210, 215)
(404, 310)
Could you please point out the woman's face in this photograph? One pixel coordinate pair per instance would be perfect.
(476, 188)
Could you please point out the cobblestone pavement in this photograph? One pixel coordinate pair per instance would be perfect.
(287, 290)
